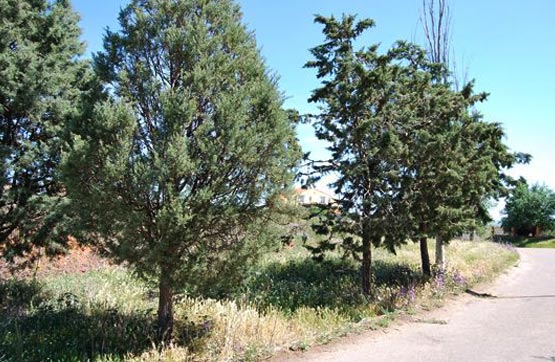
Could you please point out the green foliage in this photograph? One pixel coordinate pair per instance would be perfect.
(64, 322)
(366, 120)
(181, 172)
(535, 242)
(541, 242)
(530, 207)
(42, 78)
(17, 295)
(187, 161)
(333, 231)
(412, 157)
(305, 283)
(457, 162)
(359, 96)
(96, 316)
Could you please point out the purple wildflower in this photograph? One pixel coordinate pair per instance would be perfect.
(439, 280)
(459, 279)
(408, 293)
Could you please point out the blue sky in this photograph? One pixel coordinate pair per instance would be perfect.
(507, 46)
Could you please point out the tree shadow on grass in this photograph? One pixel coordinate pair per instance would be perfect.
(333, 283)
(68, 329)
(397, 274)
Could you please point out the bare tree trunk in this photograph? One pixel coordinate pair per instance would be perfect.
(424, 252)
(367, 287)
(436, 23)
(436, 20)
(425, 257)
(165, 308)
(440, 258)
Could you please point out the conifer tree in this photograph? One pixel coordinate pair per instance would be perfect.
(179, 172)
(413, 158)
(40, 81)
(457, 161)
(364, 120)
(468, 177)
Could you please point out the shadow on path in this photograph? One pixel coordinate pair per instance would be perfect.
(487, 295)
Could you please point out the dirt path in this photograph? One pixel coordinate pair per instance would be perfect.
(517, 324)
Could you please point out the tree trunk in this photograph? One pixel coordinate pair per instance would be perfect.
(366, 260)
(165, 309)
(425, 257)
(440, 259)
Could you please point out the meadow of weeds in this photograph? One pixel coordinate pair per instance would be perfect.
(288, 302)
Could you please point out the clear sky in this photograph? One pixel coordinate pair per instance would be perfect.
(507, 46)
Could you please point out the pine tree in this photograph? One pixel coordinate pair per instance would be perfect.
(435, 160)
(365, 120)
(179, 172)
(475, 170)
(458, 161)
(412, 156)
(40, 80)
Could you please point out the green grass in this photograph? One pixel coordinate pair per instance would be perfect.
(525, 242)
(288, 302)
(542, 244)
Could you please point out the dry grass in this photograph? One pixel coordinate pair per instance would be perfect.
(241, 333)
(245, 328)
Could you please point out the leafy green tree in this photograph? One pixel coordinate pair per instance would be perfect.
(40, 88)
(179, 173)
(529, 208)
(364, 120)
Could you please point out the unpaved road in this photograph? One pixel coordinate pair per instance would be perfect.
(517, 325)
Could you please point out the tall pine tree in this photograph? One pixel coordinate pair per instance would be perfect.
(364, 120)
(457, 161)
(466, 159)
(180, 171)
(40, 80)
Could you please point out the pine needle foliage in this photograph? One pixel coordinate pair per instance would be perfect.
(181, 171)
(363, 118)
(41, 83)
(413, 158)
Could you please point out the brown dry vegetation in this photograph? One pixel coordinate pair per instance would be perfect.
(78, 259)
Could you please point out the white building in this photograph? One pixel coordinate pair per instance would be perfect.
(313, 196)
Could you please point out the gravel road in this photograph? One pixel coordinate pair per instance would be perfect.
(516, 324)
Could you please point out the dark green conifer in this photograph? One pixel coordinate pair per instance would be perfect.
(457, 162)
(362, 120)
(412, 157)
(180, 171)
(40, 80)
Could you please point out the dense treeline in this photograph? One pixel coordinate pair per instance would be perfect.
(172, 151)
(413, 158)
